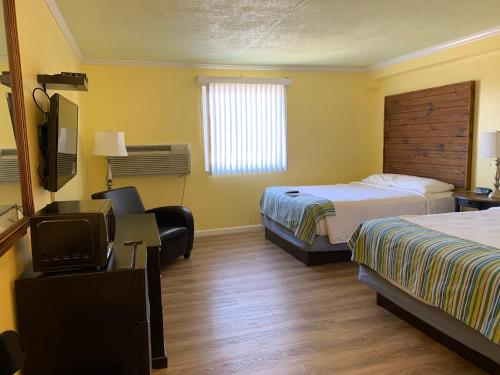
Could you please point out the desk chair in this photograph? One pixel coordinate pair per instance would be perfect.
(12, 357)
(175, 223)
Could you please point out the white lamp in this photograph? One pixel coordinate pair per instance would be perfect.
(490, 148)
(110, 144)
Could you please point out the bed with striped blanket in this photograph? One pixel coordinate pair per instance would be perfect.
(298, 212)
(440, 273)
(458, 276)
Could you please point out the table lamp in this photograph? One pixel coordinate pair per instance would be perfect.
(490, 148)
(110, 144)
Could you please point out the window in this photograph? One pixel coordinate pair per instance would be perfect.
(244, 125)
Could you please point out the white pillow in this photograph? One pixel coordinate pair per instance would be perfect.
(421, 184)
(383, 179)
(401, 181)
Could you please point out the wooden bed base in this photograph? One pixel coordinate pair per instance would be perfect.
(310, 258)
(464, 351)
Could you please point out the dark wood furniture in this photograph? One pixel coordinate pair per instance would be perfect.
(143, 226)
(97, 322)
(472, 200)
(9, 237)
(428, 133)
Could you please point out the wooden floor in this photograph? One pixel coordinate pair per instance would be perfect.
(241, 305)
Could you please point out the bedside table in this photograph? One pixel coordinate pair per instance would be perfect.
(472, 200)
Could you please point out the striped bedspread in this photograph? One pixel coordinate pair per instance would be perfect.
(298, 213)
(458, 276)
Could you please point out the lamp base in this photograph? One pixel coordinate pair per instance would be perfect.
(494, 194)
(109, 176)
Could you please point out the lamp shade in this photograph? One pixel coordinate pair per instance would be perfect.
(490, 144)
(110, 144)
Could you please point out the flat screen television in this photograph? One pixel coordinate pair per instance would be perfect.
(59, 145)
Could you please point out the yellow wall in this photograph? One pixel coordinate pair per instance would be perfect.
(478, 62)
(43, 50)
(326, 116)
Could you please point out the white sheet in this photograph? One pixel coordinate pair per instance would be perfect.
(359, 201)
(478, 226)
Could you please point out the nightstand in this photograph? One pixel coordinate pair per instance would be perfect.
(472, 200)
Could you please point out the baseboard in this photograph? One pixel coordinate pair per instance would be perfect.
(219, 231)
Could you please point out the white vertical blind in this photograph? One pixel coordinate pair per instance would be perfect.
(244, 127)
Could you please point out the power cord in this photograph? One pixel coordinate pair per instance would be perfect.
(36, 102)
(183, 189)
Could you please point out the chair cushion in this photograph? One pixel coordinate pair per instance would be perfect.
(171, 232)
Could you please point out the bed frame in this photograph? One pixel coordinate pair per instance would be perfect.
(478, 359)
(427, 133)
(445, 329)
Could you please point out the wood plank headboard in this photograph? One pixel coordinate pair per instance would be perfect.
(428, 133)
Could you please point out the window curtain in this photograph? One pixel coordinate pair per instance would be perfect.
(244, 127)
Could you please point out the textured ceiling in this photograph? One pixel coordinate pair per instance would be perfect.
(351, 33)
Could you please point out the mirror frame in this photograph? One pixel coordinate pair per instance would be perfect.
(19, 229)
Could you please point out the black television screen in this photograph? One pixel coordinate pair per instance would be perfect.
(62, 141)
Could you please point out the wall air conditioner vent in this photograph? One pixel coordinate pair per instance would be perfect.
(9, 165)
(143, 160)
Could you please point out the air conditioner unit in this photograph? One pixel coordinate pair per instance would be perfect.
(9, 165)
(143, 160)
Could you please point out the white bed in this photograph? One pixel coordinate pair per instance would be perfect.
(377, 196)
(359, 201)
(479, 227)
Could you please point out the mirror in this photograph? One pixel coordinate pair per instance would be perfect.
(10, 188)
(15, 178)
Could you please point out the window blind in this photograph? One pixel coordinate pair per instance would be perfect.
(244, 127)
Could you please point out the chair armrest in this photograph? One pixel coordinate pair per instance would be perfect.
(175, 216)
(172, 215)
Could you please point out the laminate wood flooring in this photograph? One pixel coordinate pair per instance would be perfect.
(241, 305)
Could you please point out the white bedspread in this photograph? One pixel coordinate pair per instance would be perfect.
(358, 201)
(478, 226)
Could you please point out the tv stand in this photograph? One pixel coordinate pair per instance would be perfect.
(97, 322)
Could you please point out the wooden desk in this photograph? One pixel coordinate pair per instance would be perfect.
(97, 322)
(143, 227)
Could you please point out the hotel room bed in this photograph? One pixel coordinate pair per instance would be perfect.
(442, 274)
(353, 204)
(417, 142)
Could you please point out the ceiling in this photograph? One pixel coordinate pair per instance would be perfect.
(340, 33)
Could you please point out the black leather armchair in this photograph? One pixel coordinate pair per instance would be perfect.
(12, 357)
(175, 223)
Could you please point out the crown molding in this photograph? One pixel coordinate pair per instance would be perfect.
(298, 68)
(61, 22)
(437, 48)
(59, 18)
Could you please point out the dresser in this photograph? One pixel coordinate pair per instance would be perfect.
(97, 322)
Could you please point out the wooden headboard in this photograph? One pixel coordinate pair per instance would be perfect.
(428, 133)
